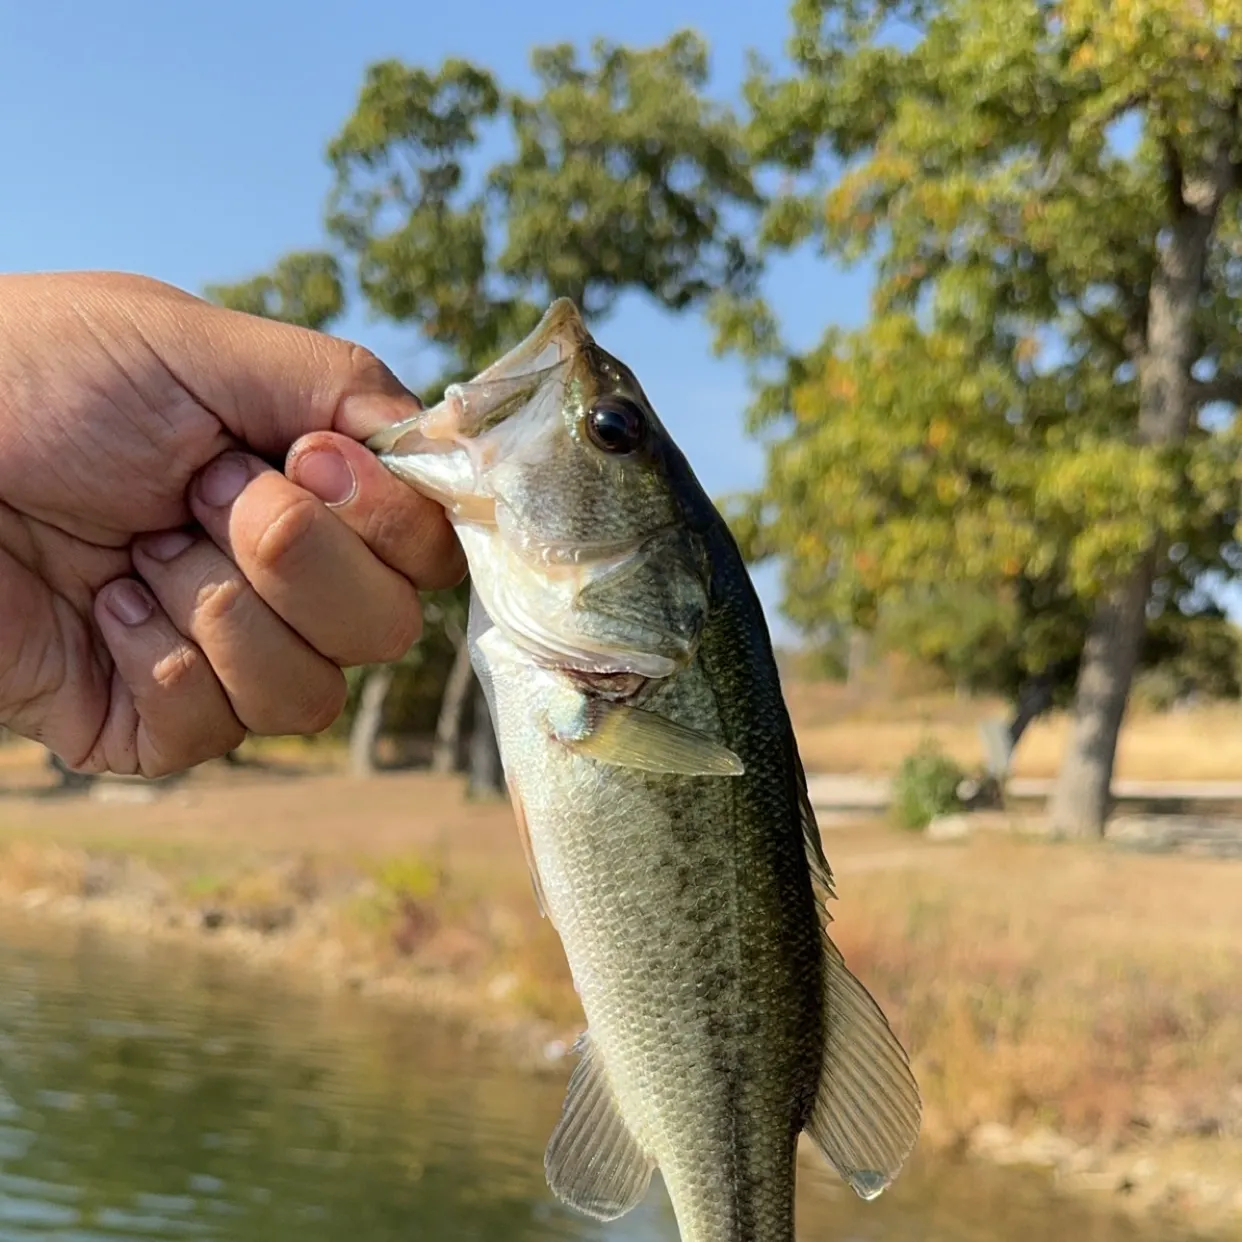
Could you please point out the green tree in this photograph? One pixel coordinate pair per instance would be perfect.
(1042, 408)
(304, 288)
(617, 175)
(621, 176)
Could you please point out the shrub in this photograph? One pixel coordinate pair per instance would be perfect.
(926, 786)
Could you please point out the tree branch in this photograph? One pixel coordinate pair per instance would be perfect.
(1103, 336)
(1222, 388)
(1175, 175)
(1127, 345)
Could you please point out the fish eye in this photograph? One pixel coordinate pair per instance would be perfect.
(616, 425)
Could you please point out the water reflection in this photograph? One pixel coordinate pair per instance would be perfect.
(161, 1096)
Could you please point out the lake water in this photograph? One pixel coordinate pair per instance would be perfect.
(152, 1094)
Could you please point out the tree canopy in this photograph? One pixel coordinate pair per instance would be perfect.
(462, 208)
(1040, 414)
(1028, 457)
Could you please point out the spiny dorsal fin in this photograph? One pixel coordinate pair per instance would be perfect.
(821, 872)
(867, 1112)
(593, 1162)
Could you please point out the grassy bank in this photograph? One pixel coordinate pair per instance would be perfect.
(1070, 1005)
(841, 732)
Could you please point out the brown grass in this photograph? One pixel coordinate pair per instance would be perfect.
(1068, 987)
(839, 733)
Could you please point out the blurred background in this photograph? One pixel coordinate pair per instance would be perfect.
(944, 303)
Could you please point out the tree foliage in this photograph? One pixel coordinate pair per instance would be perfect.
(617, 174)
(304, 288)
(1038, 423)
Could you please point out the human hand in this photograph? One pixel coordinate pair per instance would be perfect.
(163, 588)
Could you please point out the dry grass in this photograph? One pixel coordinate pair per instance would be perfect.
(1069, 987)
(839, 733)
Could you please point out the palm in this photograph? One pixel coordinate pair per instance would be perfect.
(54, 577)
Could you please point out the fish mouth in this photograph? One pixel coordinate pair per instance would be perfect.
(445, 451)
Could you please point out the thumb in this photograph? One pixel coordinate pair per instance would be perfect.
(267, 382)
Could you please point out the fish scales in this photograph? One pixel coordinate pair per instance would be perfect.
(690, 928)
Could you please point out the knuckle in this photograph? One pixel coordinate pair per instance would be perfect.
(154, 765)
(308, 712)
(218, 599)
(320, 709)
(157, 763)
(368, 371)
(285, 537)
(162, 759)
(404, 631)
(179, 669)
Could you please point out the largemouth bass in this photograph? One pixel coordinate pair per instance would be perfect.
(661, 801)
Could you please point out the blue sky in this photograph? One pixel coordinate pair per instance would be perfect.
(186, 142)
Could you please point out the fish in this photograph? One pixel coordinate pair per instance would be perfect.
(660, 799)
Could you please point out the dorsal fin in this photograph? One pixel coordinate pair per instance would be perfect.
(821, 872)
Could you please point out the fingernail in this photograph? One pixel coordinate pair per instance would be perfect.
(166, 545)
(221, 483)
(129, 603)
(328, 475)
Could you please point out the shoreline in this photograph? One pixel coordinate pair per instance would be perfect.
(303, 958)
(1159, 1181)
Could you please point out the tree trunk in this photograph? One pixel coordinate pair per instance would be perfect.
(366, 727)
(1035, 697)
(1080, 799)
(453, 708)
(858, 649)
(487, 778)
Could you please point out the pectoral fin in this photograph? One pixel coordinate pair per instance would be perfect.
(593, 1162)
(629, 737)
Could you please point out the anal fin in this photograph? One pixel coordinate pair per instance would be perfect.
(867, 1112)
(593, 1163)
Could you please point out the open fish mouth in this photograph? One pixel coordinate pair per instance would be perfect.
(446, 450)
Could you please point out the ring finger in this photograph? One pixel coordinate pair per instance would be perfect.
(275, 681)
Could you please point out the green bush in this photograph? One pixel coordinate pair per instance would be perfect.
(411, 875)
(926, 786)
